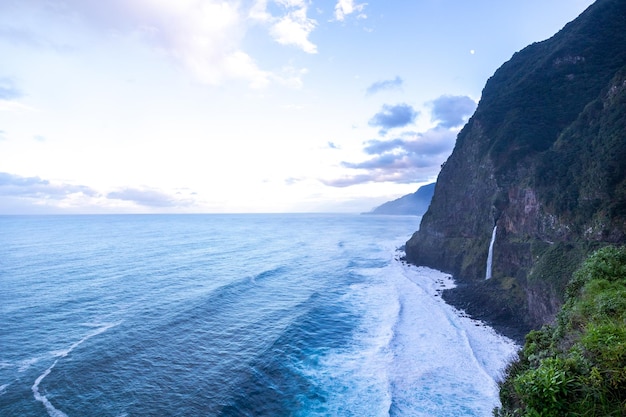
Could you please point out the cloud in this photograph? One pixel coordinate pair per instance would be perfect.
(147, 198)
(344, 8)
(205, 36)
(384, 85)
(452, 111)
(411, 158)
(294, 27)
(430, 143)
(391, 117)
(293, 180)
(8, 90)
(36, 188)
(22, 195)
(375, 146)
(348, 181)
(291, 77)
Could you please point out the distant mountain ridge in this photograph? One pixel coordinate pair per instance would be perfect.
(414, 204)
(543, 158)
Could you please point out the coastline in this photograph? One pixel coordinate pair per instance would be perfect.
(478, 303)
(429, 324)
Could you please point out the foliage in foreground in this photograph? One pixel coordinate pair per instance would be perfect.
(576, 367)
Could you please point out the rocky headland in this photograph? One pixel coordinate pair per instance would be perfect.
(543, 158)
(414, 204)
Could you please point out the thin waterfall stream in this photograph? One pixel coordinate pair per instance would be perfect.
(490, 253)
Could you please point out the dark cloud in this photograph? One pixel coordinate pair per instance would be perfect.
(7, 180)
(433, 142)
(384, 85)
(452, 111)
(35, 187)
(411, 158)
(391, 117)
(146, 197)
(8, 90)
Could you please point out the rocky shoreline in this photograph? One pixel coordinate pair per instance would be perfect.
(478, 302)
(493, 301)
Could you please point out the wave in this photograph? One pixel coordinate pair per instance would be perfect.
(267, 274)
(52, 410)
(334, 325)
(411, 353)
(353, 378)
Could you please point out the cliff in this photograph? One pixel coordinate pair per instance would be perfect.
(544, 159)
(414, 204)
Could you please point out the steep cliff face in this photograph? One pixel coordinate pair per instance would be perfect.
(544, 159)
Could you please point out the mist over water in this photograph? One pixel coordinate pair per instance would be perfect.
(233, 315)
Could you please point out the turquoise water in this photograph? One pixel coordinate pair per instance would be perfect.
(232, 315)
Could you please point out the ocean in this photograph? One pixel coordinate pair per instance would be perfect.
(233, 315)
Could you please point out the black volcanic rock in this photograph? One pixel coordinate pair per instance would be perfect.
(544, 159)
(414, 204)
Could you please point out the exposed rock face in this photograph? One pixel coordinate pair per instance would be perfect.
(544, 158)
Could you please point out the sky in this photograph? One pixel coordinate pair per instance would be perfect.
(208, 106)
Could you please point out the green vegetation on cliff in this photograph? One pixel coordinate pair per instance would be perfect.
(576, 367)
(583, 176)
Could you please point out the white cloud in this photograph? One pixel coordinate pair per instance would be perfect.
(206, 35)
(346, 7)
(291, 77)
(203, 35)
(258, 11)
(293, 28)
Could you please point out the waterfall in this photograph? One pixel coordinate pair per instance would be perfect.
(490, 254)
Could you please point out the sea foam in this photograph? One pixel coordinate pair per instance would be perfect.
(412, 354)
(52, 410)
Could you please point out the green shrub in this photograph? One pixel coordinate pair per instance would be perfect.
(545, 390)
(578, 366)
